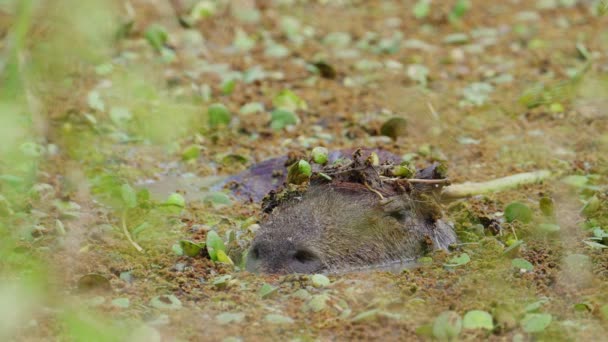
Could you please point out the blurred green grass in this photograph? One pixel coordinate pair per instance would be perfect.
(49, 57)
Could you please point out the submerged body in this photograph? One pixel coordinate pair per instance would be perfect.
(352, 221)
(330, 228)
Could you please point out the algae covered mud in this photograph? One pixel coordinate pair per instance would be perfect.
(118, 118)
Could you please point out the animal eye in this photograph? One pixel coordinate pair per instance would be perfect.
(304, 256)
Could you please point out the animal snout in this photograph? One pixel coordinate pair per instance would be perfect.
(265, 256)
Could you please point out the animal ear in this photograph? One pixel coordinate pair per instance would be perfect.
(418, 203)
(436, 171)
(396, 204)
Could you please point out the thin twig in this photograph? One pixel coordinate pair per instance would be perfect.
(126, 231)
(514, 234)
(418, 180)
(433, 111)
(373, 190)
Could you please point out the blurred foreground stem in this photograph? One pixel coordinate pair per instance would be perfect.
(127, 234)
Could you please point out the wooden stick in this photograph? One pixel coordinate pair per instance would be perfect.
(417, 180)
(468, 189)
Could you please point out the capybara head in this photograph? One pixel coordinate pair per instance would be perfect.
(329, 228)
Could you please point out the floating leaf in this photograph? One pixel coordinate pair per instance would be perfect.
(338, 39)
(366, 315)
(394, 127)
(600, 233)
(535, 322)
(289, 101)
(228, 86)
(421, 9)
(583, 51)
(319, 280)
(536, 305)
(59, 227)
(223, 257)
(219, 198)
(252, 107)
(191, 152)
(549, 227)
(242, 41)
(585, 307)
(256, 73)
(477, 93)
(222, 282)
(576, 181)
(177, 249)
(203, 9)
(316, 303)
(122, 303)
(278, 319)
(513, 246)
(281, 118)
(219, 115)
(302, 294)
(299, 172)
(267, 290)
(518, 211)
(456, 38)
(447, 325)
(468, 141)
(190, 248)
(214, 244)
(522, 264)
(459, 10)
(275, 50)
(459, 260)
(156, 36)
(418, 73)
(556, 107)
(127, 277)
(477, 319)
(176, 200)
(319, 155)
(373, 159)
(169, 302)
(547, 207)
(594, 244)
(404, 170)
(246, 14)
(95, 102)
(230, 317)
(592, 206)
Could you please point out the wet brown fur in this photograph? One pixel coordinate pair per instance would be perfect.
(345, 224)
